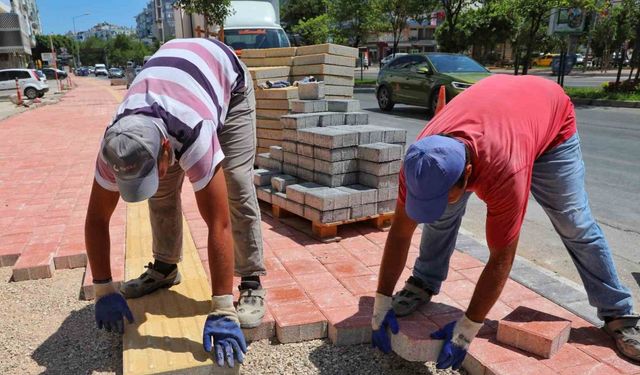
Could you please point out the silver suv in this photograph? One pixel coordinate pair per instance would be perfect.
(31, 85)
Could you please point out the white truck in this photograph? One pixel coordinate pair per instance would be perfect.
(254, 24)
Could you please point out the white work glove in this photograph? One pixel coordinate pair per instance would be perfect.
(383, 318)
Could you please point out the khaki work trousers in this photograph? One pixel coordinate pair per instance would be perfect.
(238, 141)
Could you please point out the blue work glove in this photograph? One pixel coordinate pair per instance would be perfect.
(457, 337)
(383, 318)
(111, 308)
(223, 334)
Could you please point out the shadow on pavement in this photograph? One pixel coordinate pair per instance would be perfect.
(417, 113)
(78, 347)
(636, 277)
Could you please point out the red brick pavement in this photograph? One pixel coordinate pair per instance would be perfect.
(315, 290)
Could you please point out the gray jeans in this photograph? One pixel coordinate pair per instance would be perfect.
(238, 141)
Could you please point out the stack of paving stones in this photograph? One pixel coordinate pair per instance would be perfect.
(332, 166)
(331, 63)
(271, 103)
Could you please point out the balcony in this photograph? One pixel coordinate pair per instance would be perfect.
(13, 35)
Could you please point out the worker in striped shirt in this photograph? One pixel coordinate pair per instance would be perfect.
(190, 111)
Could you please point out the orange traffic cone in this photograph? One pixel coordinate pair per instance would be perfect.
(442, 100)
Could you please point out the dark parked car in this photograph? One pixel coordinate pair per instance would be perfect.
(415, 79)
(82, 71)
(50, 73)
(116, 73)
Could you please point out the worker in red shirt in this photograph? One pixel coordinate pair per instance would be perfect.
(503, 138)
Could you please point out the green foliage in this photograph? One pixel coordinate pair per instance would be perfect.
(600, 93)
(215, 12)
(43, 44)
(314, 30)
(396, 13)
(449, 36)
(292, 12)
(114, 52)
(354, 20)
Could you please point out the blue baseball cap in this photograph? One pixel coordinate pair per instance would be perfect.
(432, 166)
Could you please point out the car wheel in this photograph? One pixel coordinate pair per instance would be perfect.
(41, 94)
(384, 99)
(434, 100)
(31, 93)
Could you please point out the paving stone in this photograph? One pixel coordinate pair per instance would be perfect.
(267, 61)
(335, 105)
(290, 135)
(349, 325)
(378, 182)
(290, 169)
(360, 194)
(387, 206)
(269, 124)
(326, 199)
(364, 210)
(328, 48)
(308, 106)
(326, 217)
(266, 330)
(336, 154)
(334, 138)
(273, 104)
(304, 161)
(413, 342)
(334, 168)
(324, 58)
(305, 174)
(280, 182)
(281, 93)
(280, 52)
(295, 208)
(269, 134)
(380, 169)
(264, 144)
(264, 193)
(264, 161)
(332, 119)
(534, 331)
(357, 118)
(288, 146)
(291, 158)
(329, 80)
(275, 152)
(271, 114)
(311, 90)
(35, 262)
(380, 152)
(299, 322)
(269, 72)
(335, 180)
(262, 177)
(392, 135)
(279, 199)
(333, 70)
(387, 194)
(338, 92)
(300, 120)
(305, 150)
(297, 192)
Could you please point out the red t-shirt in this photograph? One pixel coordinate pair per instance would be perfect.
(507, 122)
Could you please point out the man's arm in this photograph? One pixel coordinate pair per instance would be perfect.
(491, 282)
(213, 206)
(102, 203)
(396, 249)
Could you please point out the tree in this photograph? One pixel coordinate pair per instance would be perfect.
(292, 12)
(396, 13)
(354, 20)
(43, 44)
(215, 12)
(314, 30)
(450, 37)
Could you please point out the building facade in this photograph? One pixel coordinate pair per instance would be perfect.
(19, 25)
(145, 23)
(156, 21)
(104, 31)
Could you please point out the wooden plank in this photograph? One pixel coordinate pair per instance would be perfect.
(166, 337)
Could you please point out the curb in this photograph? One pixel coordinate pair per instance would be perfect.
(548, 284)
(364, 89)
(606, 103)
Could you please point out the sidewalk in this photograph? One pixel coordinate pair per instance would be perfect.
(315, 290)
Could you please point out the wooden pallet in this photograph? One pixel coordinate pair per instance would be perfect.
(325, 232)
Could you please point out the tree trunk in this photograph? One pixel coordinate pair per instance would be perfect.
(206, 25)
(621, 55)
(516, 61)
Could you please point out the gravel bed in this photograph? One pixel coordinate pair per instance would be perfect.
(46, 328)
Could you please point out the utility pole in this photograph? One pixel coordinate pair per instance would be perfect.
(159, 20)
(75, 36)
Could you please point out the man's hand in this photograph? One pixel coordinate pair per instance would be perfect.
(457, 337)
(111, 308)
(383, 318)
(222, 332)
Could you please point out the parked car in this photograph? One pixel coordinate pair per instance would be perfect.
(101, 70)
(92, 70)
(51, 73)
(544, 59)
(579, 59)
(42, 76)
(116, 73)
(416, 79)
(388, 59)
(31, 84)
(82, 71)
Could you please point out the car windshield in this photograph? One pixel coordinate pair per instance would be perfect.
(240, 39)
(455, 64)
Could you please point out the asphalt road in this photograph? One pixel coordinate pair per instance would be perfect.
(610, 139)
(576, 79)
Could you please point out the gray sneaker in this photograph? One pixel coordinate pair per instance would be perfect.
(625, 330)
(251, 307)
(150, 281)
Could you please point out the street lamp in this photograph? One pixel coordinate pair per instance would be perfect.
(75, 35)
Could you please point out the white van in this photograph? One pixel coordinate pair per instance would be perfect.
(30, 83)
(101, 70)
(254, 24)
